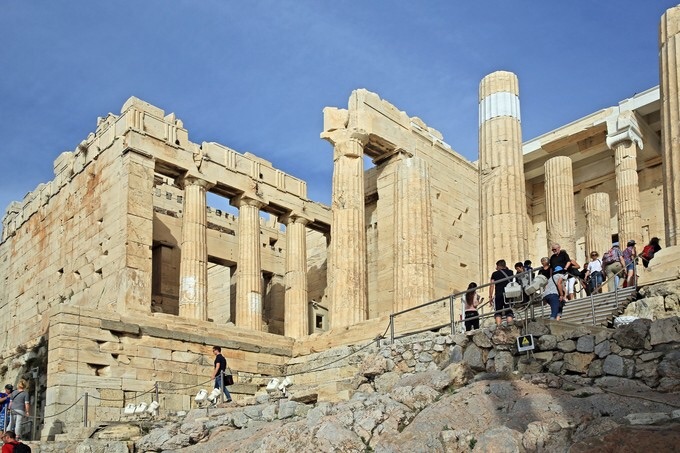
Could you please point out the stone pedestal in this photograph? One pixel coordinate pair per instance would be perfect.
(249, 266)
(669, 54)
(296, 313)
(598, 229)
(413, 273)
(347, 265)
(502, 187)
(559, 203)
(193, 268)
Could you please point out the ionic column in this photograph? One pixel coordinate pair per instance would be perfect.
(193, 268)
(559, 203)
(503, 212)
(624, 138)
(347, 267)
(598, 230)
(669, 54)
(249, 266)
(296, 313)
(413, 273)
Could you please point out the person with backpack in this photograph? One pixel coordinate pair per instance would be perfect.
(613, 264)
(554, 294)
(594, 275)
(629, 257)
(649, 251)
(12, 445)
(499, 280)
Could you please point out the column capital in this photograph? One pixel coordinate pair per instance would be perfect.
(191, 180)
(347, 142)
(293, 217)
(245, 200)
(621, 127)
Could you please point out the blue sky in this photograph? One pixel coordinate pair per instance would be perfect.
(255, 75)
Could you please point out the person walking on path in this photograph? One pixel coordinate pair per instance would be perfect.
(613, 265)
(220, 365)
(4, 406)
(501, 307)
(629, 257)
(471, 302)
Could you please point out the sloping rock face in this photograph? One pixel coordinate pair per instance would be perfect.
(444, 393)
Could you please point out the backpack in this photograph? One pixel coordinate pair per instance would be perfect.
(22, 448)
(647, 252)
(609, 257)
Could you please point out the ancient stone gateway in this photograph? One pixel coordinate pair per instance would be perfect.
(146, 249)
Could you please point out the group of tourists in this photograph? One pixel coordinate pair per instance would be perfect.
(563, 274)
(14, 408)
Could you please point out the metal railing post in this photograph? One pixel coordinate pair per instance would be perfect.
(222, 386)
(85, 411)
(592, 305)
(156, 386)
(391, 329)
(452, 314)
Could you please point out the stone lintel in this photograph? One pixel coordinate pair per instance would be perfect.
(139, 152)
(118, 326)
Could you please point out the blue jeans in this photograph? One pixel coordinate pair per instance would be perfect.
(218, 383)
(554, 301)
(596, 279)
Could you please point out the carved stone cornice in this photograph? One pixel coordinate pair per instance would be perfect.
(347, 142)
(623, 127)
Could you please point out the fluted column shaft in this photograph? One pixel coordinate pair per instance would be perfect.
(296, 313)
(347, 268)
(669, 53)
(598, 229)
(249, 266)
(627, 191)
(559, 203)
(503, 213)
(413, 273)
(193, 268)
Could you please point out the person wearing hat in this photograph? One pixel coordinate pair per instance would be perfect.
(613, 265)
(4, 404)
(629, 256)
(553, 293)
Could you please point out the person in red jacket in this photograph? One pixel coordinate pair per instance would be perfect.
(9, 440)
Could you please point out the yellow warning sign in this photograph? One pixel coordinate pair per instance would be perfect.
(525, 343)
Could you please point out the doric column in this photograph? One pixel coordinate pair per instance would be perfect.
(413, 273)
(193, 267)
(598, 229)
(503, 211)
(559, 203)
(296, 313)
(347, 268)
(669, 54)
(624, 138)
(249, 266)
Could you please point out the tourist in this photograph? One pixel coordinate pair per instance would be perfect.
(629, 256)
(4, 406)
(553, 293)
(545, 267)
(9, 441)
(500, 306)
(471, 302)
(594, 275)
(19, 407)
(559, 257)
(220, 366)
(613, 265)
(649, 251)
(571, 275)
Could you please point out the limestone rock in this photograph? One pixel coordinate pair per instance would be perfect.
(665, 331)
(475, 357)
(618, 366)
(373, 365)
(632, 335)
(585, 343)
(577, 361)
(505, 335)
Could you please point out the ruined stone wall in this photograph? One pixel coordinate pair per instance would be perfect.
(119, 360)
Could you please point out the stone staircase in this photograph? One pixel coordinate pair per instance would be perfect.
(595, 310)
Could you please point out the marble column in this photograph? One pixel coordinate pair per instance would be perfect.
(249, 266)
(598, 229)
(624, 138)
(503, 206)
(559, 203)
(413, 258)
(296, 312)
(347, 265)
(669, 54)
(193, 268)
